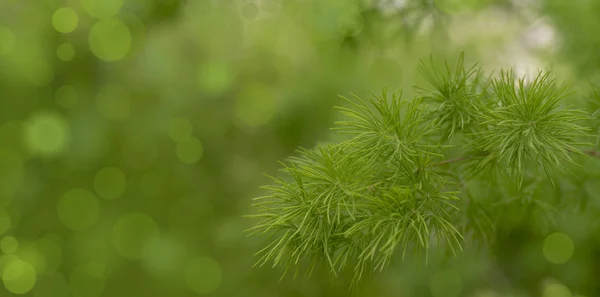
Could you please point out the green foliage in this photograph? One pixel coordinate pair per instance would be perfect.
(527, 124)
(455, 97)
(398, 185)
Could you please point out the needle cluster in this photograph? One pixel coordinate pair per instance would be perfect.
(391, 189)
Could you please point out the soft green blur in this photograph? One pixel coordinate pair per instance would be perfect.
(134, 134)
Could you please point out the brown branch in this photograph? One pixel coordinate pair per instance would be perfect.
(590, 152)
(593, 153)
(456, 160)
(453, 160)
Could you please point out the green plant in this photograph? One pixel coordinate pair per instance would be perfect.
(469, 155)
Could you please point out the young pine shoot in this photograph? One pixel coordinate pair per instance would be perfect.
(392, 190)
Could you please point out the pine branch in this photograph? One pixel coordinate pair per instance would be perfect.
(456, 160)
(593, 153)
(371, 198)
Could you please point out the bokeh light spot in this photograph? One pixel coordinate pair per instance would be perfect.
(165, 257)
(7, 41)
(255, 105)
(12, 173)
(110, 40)
(190, 151)
(65, 52)
(51, 251)
(132, 233)
(19, 277)
(110, 182)
(66, 96)
(32, 256)
(87, 280)
(203, 275)
(65, 20)
(139, 31)
(5, 260)
(113, 103)
(556, 290)
(558, 248)
(78, 209)
(180, 129)
(9, 244)
(446, 283)
(46, 133)
(214, 77)
(102, 8)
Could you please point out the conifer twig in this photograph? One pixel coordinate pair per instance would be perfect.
(360, 202)
(593, 153)
(590, 152)
(455, 160)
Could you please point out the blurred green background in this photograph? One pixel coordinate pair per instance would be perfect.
(134, 134)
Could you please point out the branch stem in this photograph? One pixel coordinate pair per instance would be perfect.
(593, 153)
(453, 160)
(590, 152)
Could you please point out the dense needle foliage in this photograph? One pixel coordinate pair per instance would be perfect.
(402, 181)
